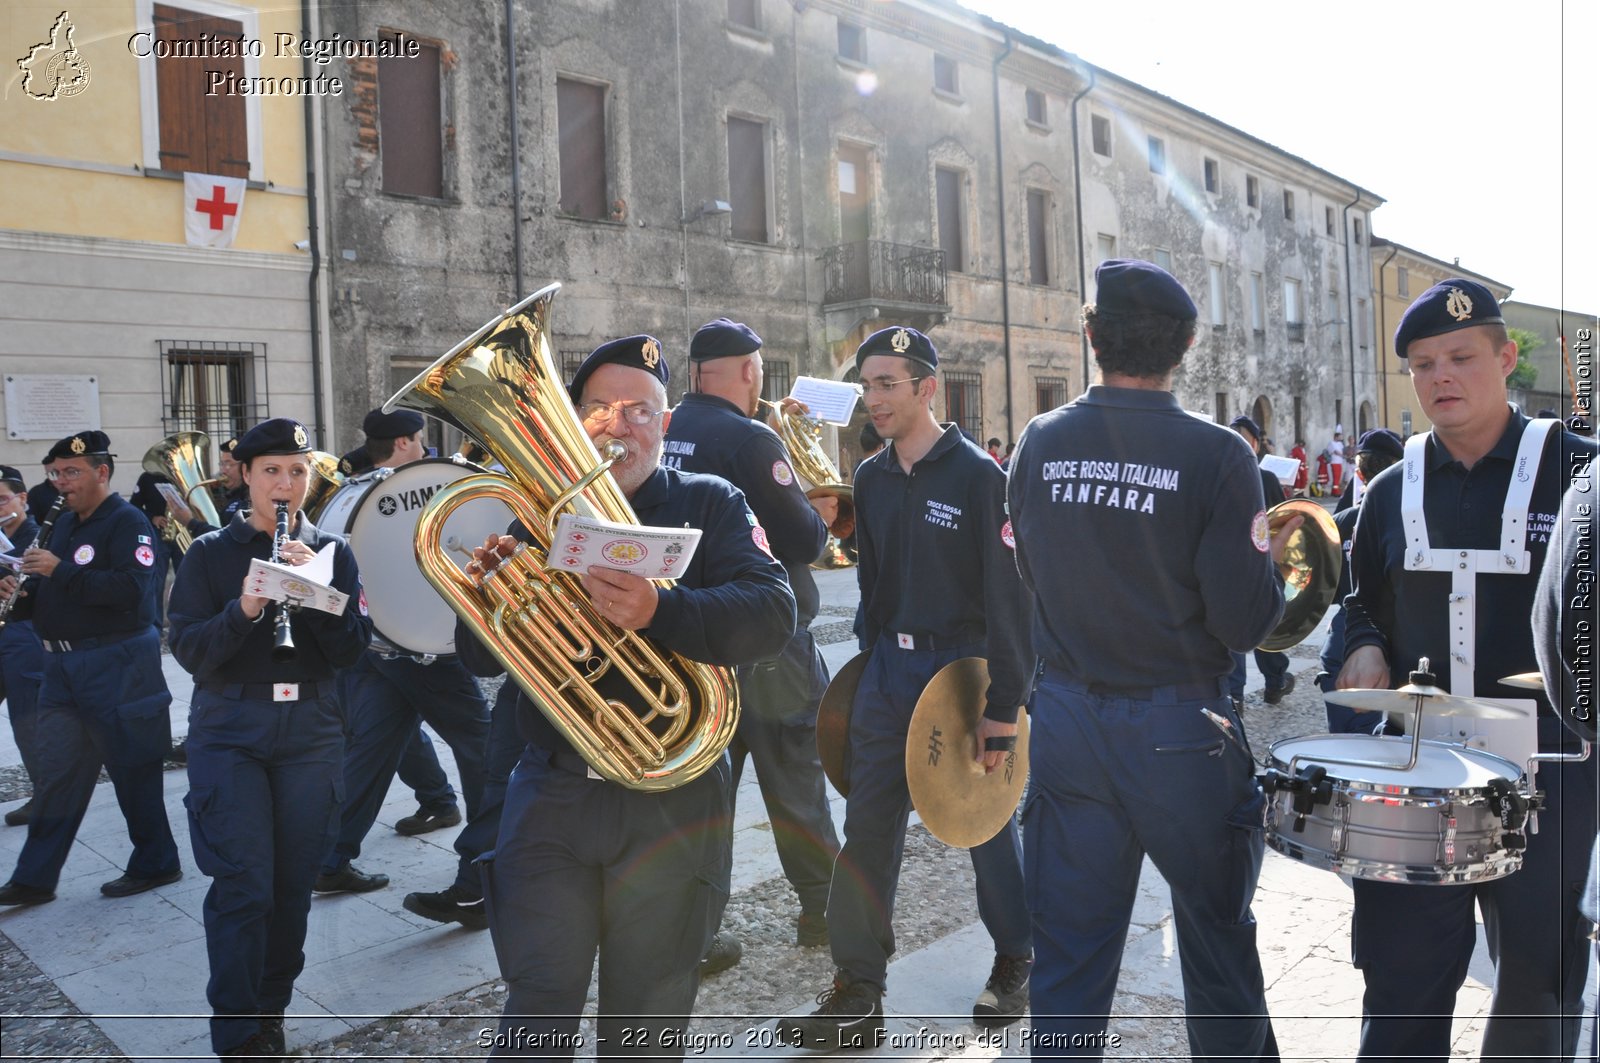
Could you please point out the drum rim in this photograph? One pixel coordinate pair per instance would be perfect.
(1459, 794)
(1498, 864)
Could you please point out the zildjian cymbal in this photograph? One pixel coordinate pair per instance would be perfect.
(1435, 702)
(833, 722)
(958, 803)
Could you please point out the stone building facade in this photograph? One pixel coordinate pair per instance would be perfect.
(818, 170)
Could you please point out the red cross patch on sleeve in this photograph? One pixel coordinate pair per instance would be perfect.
(1007, 536)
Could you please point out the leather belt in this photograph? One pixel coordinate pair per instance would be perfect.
(310, 690)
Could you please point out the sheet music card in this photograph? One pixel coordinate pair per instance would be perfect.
(307, 585)
(831, 401)
(654, 553)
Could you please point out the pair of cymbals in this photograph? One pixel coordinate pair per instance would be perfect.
(1434, 701)
(958, 802)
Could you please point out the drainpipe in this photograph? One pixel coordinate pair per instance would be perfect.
(1077, 200)
(683, 197)
(1350, 311)
(1005, 272)
(796, 8)
(516, 152)
(1383, 330)
(313, 234)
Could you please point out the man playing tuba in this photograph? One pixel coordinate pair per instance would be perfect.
(584, 864)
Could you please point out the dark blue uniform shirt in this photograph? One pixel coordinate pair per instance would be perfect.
(23, 537)
(712, 435)
(215, 642)
(101, 585)
(731, 606)
(1406, 613)
(935, 561)
(233, 502)
(1140, 530)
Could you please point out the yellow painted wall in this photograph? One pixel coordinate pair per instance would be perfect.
(101, 125)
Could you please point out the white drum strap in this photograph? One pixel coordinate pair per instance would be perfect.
(1511, 558)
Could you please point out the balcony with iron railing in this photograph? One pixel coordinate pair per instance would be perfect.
(903, 282)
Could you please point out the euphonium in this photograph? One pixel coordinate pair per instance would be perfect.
(819, 478)
(181, 458)
(641, 717)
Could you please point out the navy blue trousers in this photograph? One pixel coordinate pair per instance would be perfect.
(1114, 779)
(1414, 943)
(265, 787)
(104, 706)
(584, 865)
(21, 672)
(867, 873)
(1274, 667)
(483, 826)
(778, 731)
(420, 769)
(383, 700)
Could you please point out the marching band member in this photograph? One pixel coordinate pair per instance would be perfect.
(583, 864)
(938, 583)
(103, 699)
(386, 693)
(1463, 489)
(21, 653)
(715, 430)
(266, 738)
(1122, 497)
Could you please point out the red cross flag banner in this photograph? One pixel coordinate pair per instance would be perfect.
(211, 208)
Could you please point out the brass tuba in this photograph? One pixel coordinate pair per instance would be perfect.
(1312, 559)
(181, 458)
(641, 717)
(819, 477)
(326, 479)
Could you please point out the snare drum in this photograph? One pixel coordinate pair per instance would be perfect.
(1456, 817)
(378, 513)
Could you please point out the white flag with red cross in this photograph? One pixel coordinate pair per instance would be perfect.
(211, 207)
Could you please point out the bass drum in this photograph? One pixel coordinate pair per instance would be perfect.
(378, 513)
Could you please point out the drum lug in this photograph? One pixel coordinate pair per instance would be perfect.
(1310, 788)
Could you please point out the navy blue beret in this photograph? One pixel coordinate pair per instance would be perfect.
(280, 435)
(1129, 286)
(898, 342)
(1381, 441)
(396, 425)
(1449, 305)
(1248, 424)
(355, 462)
(11, 476)
(635, 352)
(81, 445)
(227, 445)
(722, 339)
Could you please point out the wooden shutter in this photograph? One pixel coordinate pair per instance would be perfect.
(747, 178)
(410, 132)
(948, 188)
(581, 115)
(1038, 238)
(199, 133)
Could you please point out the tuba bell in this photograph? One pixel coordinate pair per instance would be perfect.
(326, 479)
(181, 458)
(1313, 559)
(819, 478)
(641, 717)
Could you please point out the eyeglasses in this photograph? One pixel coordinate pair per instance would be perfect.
(883, 387)
(606, 412)
(72, 472)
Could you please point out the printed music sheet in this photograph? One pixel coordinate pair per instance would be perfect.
(654, 553)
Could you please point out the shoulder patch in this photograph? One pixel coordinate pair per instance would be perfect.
(144, 555)
(1259, 536)
(1007, 536)
(83, 555)
(782, 473)
(758, 535)
(361, 601)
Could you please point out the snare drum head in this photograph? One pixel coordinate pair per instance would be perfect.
(1439, 766)
(380, 518)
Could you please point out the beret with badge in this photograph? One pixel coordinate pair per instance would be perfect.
(279, 435)
(1130, 286)
(635, 352)
(1381, 441)
(9, 475)
(1447, 306)
(1248, 424)
(227, 445)
(723, 339)
(82, 445)
(355, 461)
(898, 342)
(396, 425)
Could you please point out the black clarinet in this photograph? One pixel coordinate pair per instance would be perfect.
(283, 639)
(42, 541)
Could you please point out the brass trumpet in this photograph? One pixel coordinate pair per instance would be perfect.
(181, 458)
(819, 477)
(641, 717)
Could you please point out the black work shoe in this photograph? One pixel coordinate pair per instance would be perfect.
(851, 1016)
(255, 1047)
(1273, 695)
(272, 1033)
(349, 879)
(811, 930)
(725, 952)
(422, 821)
(19, 816)
(1005, 995)
(454, 905)
(128, 885)
(17, 893)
